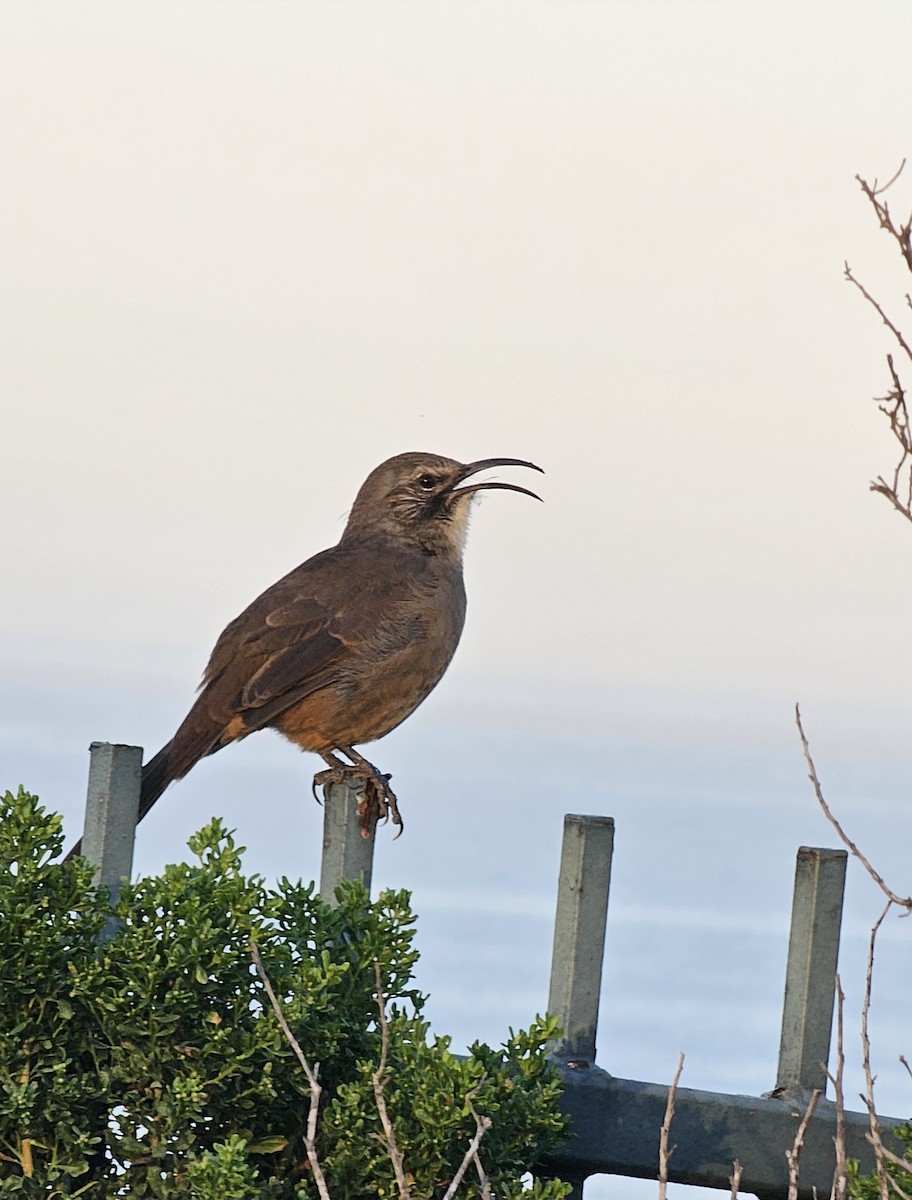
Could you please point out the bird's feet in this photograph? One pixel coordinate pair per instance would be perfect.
(377, 801)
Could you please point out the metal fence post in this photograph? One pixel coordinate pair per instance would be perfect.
(579, 932)
(579, 944)
(112, 806)
(810, 978)
(347, 853)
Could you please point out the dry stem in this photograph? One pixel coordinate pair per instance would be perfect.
(379, 1082)
(482, 1125)
(735, 1179)
(665, 1152)
(893, 405)
(794, 1154)
(310, 1137)
(479, 1167)
(874, 1136)
(901, 234)
(903, 901)
(840, 1178)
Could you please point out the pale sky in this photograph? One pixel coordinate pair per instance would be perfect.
(249, 250)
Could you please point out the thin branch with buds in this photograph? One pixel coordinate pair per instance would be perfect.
(840, 1175)
(893, 405)
(379, 1083)
(482, 1125)
(793, 1155)
(665, 1152)
(480, 1129)
(902, 901)
(894, 329)
(868, 1097)
(312, 1075)
(735, 1180)
(902, 234)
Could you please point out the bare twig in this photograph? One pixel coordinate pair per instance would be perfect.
(482, 1125)
(902, 234)
(735, 1179)
(479, 1167)
(894, 408)
(902, 901)
(902, 1163)
(483, 1179)
(905, 1063)
(874, 1136)
(312, 1074)
(794, 1154)
(840, 1177)
(898, 1191)
(379, 1082)
(894, 329)
(665, 1152)
(899, 491)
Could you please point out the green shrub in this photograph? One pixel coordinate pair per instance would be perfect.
(150, 1064)
(867, 1187)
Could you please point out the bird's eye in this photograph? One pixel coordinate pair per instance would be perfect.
(427, 483)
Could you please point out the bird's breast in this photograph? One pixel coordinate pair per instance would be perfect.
(390, 666)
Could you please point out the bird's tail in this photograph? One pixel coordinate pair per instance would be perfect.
(155, 778)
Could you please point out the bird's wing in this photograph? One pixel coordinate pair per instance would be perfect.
(294, 639)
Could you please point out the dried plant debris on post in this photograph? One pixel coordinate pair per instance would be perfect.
(153, 1064)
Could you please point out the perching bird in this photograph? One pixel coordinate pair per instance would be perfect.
(347, 645)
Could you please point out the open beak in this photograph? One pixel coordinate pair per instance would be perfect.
(482, 465)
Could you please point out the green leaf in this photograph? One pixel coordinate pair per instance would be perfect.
(269, 1145)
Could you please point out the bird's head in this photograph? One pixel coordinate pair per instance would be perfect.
(424, 499)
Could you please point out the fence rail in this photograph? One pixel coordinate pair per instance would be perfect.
(616, 1122)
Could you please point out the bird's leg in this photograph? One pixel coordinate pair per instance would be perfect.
(380, 801)
(339, 772)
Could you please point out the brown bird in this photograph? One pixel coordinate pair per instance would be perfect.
(347, 645)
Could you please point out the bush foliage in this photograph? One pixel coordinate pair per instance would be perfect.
(148, 1062)
(869, 1187)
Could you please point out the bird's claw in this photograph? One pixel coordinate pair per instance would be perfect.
(377, 801)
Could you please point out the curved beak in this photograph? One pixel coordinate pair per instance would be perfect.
(484, 464)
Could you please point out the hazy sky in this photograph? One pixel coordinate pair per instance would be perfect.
(249, 250)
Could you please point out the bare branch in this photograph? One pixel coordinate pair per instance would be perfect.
(482, 1173)
(893, 406)
(482, 1125)
(665, 1152)
(794, 1154)
(310, 1137)
(902, 1163)
(899, 492)
(735, 1179)
(874, 1136)
(897, 1189)
(379, 1083)
(901, 234)
(902, 901)
(883, 316)
(840, 1177)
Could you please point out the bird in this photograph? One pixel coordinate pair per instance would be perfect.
(344, 647)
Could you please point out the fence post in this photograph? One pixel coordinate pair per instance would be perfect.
(579, 943)
(579, 933)
(810, 977)
(112, 806)
(347, 853)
